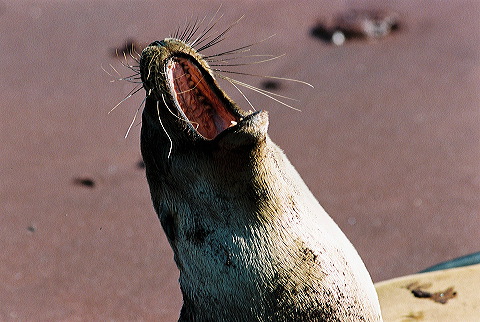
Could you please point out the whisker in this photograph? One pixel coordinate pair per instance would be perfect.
(201, 38)
(220, 38)
(113, 68)
(244, 96)
(185, 26)
(135, 116)
(163, 127)
(237, 57)
(138, 55)
(176, 34)
(239, 49)
(186, 29)
(130, 54)
(264, 76)
(135, 68)
(206, 35)
(193, 30)
(135, 78)
(250, 63)
(263, 92)
(135, 90)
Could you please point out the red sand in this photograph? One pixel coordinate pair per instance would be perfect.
(388, 141)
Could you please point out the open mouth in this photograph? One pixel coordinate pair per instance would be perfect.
(205, 110)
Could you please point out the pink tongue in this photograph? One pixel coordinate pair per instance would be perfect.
(203, 108)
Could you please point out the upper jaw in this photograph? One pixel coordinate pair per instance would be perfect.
(182, 84)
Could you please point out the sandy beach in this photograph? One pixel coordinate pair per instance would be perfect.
(388, 141)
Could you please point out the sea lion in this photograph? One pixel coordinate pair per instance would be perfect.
(249, 238)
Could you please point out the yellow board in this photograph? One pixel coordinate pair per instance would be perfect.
(419, 297)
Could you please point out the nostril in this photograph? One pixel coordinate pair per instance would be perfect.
(158, 43)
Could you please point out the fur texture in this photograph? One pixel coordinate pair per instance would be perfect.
(250, 240)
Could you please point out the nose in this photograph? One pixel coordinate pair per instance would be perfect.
(158, 43)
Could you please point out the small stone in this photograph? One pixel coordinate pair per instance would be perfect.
(338, 38)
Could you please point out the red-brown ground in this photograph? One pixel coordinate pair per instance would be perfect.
(389, 142)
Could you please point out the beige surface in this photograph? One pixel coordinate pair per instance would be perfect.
(399, 304)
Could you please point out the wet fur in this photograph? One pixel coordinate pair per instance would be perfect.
(250, 240)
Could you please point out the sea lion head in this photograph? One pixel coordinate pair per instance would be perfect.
(184, 98)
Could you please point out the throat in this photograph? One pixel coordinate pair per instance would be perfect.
(205, 111)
